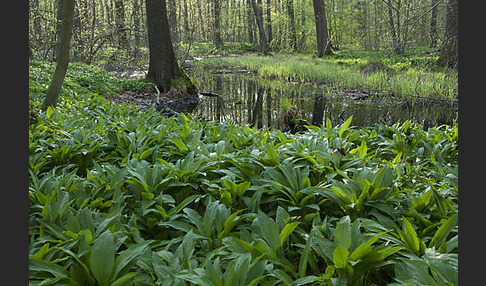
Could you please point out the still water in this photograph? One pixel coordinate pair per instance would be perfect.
(247, 99)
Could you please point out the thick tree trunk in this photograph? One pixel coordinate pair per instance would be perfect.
(323, 43)
(62, 58)
(449, 53)
(257, 8)
(163, 66)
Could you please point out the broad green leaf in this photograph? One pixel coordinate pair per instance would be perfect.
(124, 279)
(409, 236)
(102, 258)
(441, 234)
(364, 248)
(128, 256)
(286, 231)
(342, 233)
(340, 257)
(46, 266)
(345, 126)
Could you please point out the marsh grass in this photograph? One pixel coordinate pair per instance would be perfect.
(403, 76)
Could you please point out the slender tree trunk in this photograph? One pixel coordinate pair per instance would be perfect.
(163, 66)
(217, 24)
(323, 43)
(60, 17)
(201, 21)
(120, 24)
(433, 24)
(250, 21)
(449, 53)
(269, 22)
(62, 58)
(257, 8)
(395, 33)
(186, 22)
(136, 27)
(173, 20)
(293, 33)
(302, 25)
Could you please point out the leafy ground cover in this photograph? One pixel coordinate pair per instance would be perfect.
(411, 75)
(120, 196)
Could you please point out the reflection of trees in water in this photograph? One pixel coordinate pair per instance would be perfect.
(269, 107)
(318, 111)
(245, 98)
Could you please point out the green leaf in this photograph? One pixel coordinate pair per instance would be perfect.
(128, 256)
(364, 248)
(124, 279)
(102, 258)
(345, 126)
(409, 236)
(286, 231)
(342, 233)
(49, 112)
(46, 266)
(340, 256)
(444, 230)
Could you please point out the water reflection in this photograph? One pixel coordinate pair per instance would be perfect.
(266, 104)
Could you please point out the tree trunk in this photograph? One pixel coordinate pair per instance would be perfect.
(394, 31)
(257, 8)
(59, 15)
(433, 24)
(136, 27)
(62, 57)
(217, 24)
(201, 22)
(293, 33)
(323, 43)
(163, 66)
(173, 20)
(449, 53)
(120, 24)
(269, 22)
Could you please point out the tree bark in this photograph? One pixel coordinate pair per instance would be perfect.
(136, 26)
(120, 24)
(257, 8)
(269, 22)
(433, 25)
(293, 33)
(163, 66)
(62, 58)
(217, 24)
(449, 53)
(173, 20)
(323, 43)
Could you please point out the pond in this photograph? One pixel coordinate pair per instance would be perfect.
(247, 99)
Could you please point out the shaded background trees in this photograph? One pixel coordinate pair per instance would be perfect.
(105, 31)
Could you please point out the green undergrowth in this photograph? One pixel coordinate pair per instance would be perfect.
(119, 196)
(407, 75)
